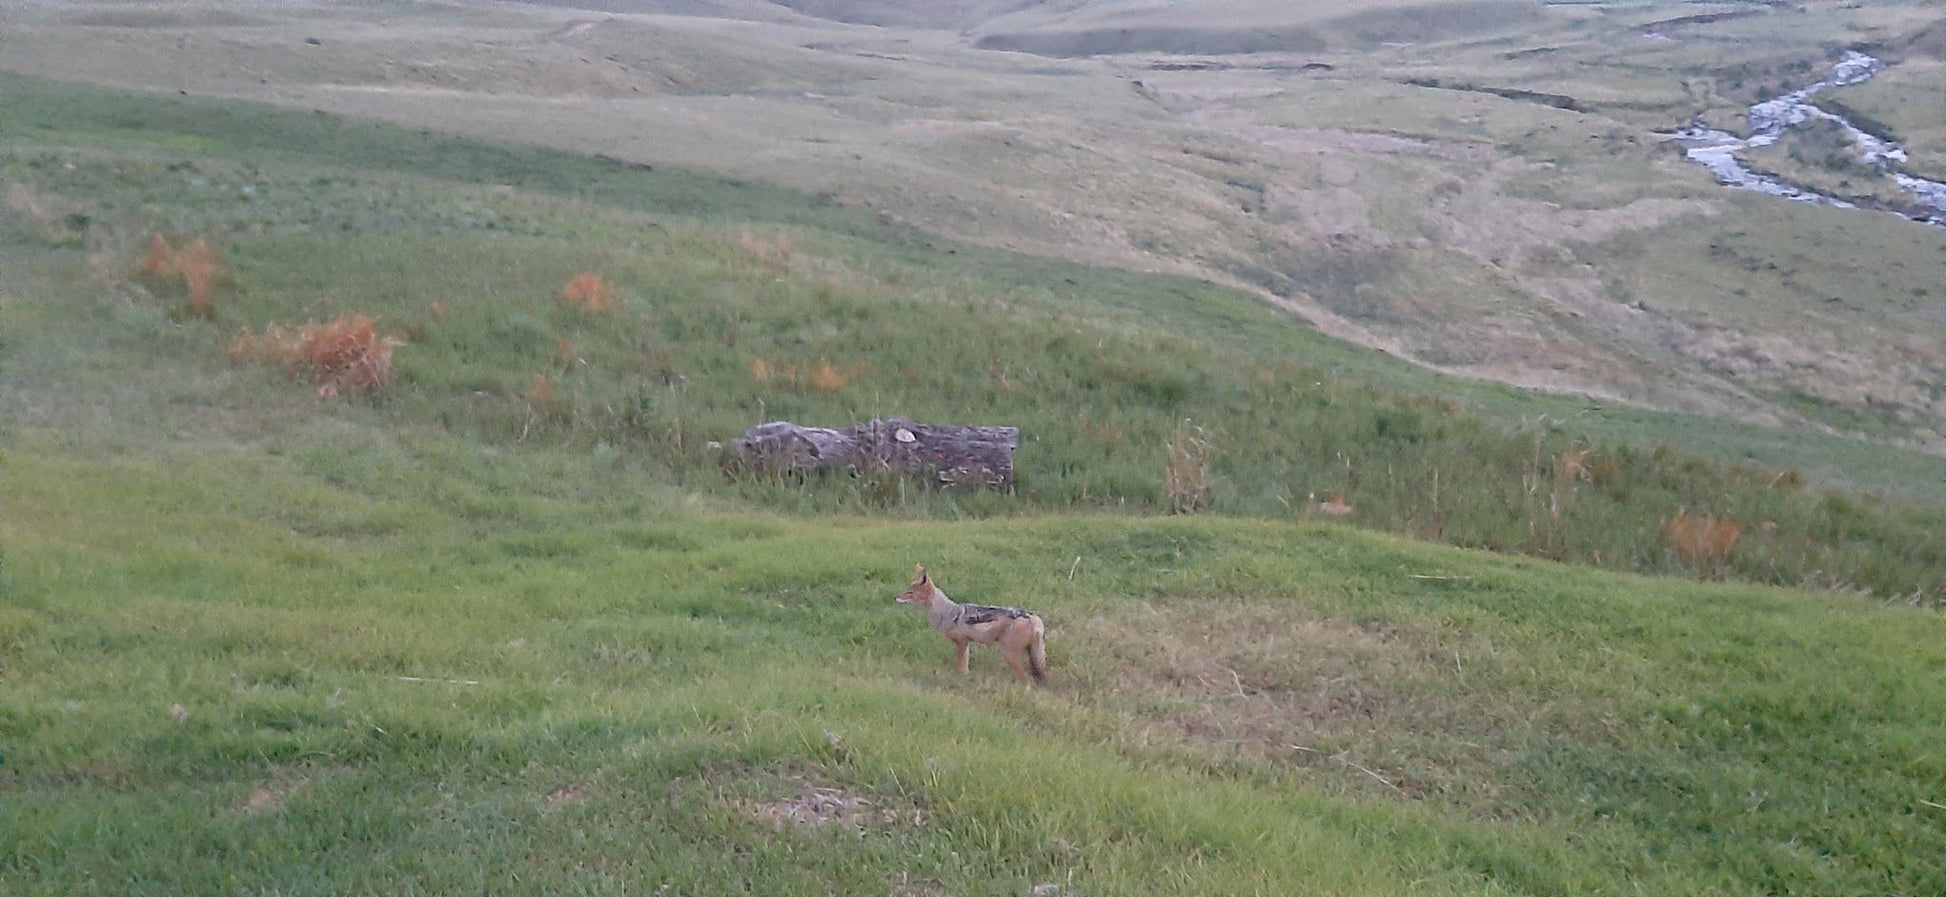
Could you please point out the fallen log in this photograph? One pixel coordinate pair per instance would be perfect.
(945, 454)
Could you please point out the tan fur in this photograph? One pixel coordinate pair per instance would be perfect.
(1021, 637)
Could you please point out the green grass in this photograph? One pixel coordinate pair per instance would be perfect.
(1096, 367)
(1555, 730)
(1507, 238)
(454, 639)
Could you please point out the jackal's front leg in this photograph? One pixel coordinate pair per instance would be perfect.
(959, 655)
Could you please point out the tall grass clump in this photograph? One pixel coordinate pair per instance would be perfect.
(822, 377)
(588, 292)
(1186, 475)
(1700, 542)
(194, 263)
(345, 356)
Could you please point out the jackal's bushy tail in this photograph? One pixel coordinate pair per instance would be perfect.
(1037, 652)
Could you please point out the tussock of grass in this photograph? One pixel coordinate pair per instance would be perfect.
(588, 292)
(1702, 542)
(192, 262)
(821, 377)
(344, 356)
(1186, 477)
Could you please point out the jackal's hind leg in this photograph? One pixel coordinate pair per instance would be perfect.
(1016, 658)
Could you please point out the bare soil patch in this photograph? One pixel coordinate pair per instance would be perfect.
(268, 796)
(571, 793)
(811, 803)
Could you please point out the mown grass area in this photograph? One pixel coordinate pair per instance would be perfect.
(471, 635)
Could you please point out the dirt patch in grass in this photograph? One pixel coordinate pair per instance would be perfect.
(268, 796)
(807, 801)
(571, 793)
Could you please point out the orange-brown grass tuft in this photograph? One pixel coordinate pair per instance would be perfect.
(1572, 467)
(1186, 479)
(589, 293)
(998, 374)
(194, 262)
(1702, 542)
(345, 355)
(542, 392)
(775, 253)
(825, 378)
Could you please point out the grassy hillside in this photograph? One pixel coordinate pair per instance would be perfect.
(509, 673)
(751, 303)
(506, 628)
(1227, 27)
(1905, 106)
(1496, 204)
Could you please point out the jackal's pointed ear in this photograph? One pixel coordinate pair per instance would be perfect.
(922, 572)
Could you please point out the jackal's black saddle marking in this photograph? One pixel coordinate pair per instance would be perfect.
(974, 614)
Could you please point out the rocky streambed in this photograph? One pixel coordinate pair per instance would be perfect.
(1769, 120)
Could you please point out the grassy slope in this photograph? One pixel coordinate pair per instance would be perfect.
(1544, 246)
(1543, 269)
(655, 659)
(969, 334)
(1905, 103)
(1554, 730)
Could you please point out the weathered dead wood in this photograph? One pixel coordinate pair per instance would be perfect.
(947, 454)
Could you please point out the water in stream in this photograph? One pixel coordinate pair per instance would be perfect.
(1717, 150)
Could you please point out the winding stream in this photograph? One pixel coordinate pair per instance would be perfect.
(1716, 150)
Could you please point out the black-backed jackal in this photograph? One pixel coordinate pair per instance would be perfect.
(1020, 636)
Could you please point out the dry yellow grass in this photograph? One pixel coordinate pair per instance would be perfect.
(345, 356)
(1702, 542)
(195, 263)
(821, 377)
(825, 378)
(541, 393)
(1186, 477)
(588, 292)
